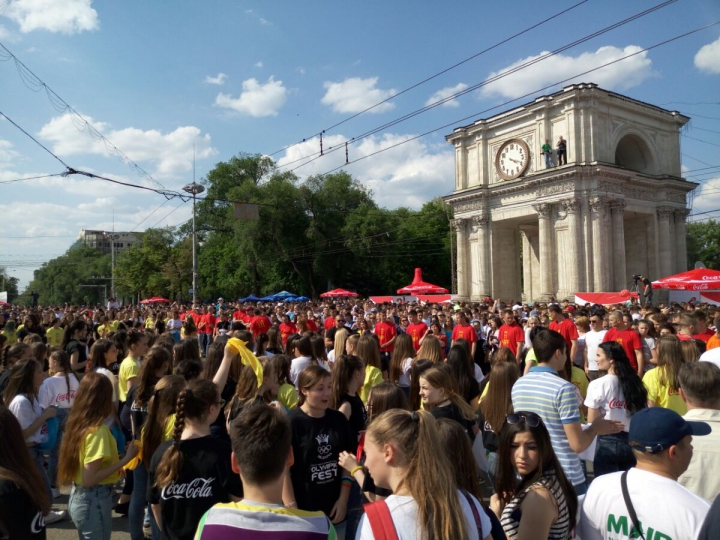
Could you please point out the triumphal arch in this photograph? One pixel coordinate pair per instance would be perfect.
(617, 208)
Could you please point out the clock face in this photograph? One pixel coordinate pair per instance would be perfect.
(512, 159)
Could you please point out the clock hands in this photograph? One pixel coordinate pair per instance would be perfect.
(515, 160)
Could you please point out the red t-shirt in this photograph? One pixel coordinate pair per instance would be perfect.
(567, 330)
(684, 337)
(311, 325)
(465, 332)
(260, 325)
(416, 331)
(385, 332)
(630, 341)
(239, 315)
(286, 330)
(510, 335)
(329, 323)
(705, 336)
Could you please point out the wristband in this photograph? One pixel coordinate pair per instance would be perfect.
(356, 469)
(345, 485)
(291, 505)
(347, 479)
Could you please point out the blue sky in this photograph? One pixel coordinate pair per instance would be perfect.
(229, 77)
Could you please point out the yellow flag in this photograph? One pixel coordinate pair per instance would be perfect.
(247, 357)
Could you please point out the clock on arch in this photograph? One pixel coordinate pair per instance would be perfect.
(512, 159)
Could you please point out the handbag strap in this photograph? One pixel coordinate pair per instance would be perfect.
(381, 522)
(629, 504)
(476, 514)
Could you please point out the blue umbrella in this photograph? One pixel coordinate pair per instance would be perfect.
(251, 298)
(301, 299)
(282, 295)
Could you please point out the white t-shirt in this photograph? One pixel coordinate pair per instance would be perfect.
(648, 345)
(479, 376)
(174, 324)
(403, 510)
(712, 356)
(54, 391)
(27, 413)
(660, 503)
(606, 395)
(593, 338)
(404, 379)
(113, 380)
(297, 365)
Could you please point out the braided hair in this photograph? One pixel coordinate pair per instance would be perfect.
(161, 406)
(193, 402)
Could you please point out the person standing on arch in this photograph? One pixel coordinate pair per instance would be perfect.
(562, 151)
(547, 152)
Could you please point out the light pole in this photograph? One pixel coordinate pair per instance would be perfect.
(195, 189)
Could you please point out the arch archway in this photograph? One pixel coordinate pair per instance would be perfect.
(632, 152)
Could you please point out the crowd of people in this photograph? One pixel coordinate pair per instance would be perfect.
(354, 420)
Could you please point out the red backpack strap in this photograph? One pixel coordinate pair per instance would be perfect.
(476, 514)
(381, 523)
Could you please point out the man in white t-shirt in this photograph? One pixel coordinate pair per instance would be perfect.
(593, 338)
(712, 356)
(661, 441)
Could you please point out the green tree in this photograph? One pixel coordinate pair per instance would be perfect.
(703, 243)
(8, 284)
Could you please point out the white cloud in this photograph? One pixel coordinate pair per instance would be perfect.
(408, 175)
(7, 36)
(619, 76)
(219, 80)
(355, 94)
(259, 64)
(708, 57)
(256, 99)
(264, 21)
(7, 153)
(65, 16)
(301, 70)
(171, 153)
(445, 93)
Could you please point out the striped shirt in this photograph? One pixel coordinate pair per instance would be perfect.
(545, 393)
(562, 527)
(247, 520)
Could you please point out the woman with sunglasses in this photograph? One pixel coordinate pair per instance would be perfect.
(534, 497)
(616, 396)
(191, 472)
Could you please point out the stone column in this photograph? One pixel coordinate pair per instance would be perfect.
(602, 275)
(572, 249)
(664, 213)
(482, 223)
(544, 211)
(681, 240)
(463, 278)
(617, 209)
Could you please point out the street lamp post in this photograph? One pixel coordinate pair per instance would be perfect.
(194, 189)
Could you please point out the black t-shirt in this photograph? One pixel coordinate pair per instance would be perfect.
(238, 405)
(711, 527)
(358, 414)
(138, 412)
(81, 349)
(206, 478)
(453, 412)
(317, 443)
(20, 518)
(473, 391)
(491, 440)
(562, 145)
(218, 427)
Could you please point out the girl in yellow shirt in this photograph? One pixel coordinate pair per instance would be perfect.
(89, 458)
(662, 384)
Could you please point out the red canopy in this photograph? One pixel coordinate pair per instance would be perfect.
(605, 299)
(418, 286)
(700, 279)
(155, 300)
(4, 303)
(339, 293)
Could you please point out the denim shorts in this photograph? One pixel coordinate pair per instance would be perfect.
(91, 511)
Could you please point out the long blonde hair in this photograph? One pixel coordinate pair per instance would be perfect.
(430, 349)
(439, 377)
(340, 339)
(670, 360)
(429, 476)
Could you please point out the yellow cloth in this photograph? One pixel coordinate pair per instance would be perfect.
(54, 336)
(129, 368)
(247, 357)
(167, 435)
(287, 395)
(373, 377)
(98, 444)
(661, 394)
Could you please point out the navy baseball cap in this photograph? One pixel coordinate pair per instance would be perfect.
(655, 429)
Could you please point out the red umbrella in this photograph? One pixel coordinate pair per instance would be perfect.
(339, 293)
(155, 300)
(700, 279)
(418, 286)
(4, 303)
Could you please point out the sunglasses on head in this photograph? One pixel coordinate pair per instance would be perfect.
(530, 419)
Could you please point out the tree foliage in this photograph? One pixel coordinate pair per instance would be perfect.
(8, 284)
(703, 243)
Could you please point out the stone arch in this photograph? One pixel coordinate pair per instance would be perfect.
(633, 151)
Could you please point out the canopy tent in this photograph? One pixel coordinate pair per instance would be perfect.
(299, 299)
(339, 293)
(281, 296)
(700, 279)
(434, 298)
(155, 300)
(251, 298)
(392, 299)
(418, 286)
(605, 299)
(5, 303)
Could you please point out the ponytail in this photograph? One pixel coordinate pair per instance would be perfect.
(62, 358)
(70, 330)
(429, 476)
(11, 354)
(192, 402)
(161, 406)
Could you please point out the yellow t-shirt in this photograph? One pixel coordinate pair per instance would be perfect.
(114, 325)
(98, 444)
(103, 330)
(149, 323)
(129, 368)
(287, 395)
(373, 377)
(54, 336)
(661, 393)
(11, 337)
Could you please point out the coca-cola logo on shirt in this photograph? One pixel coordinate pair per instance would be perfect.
(617, 404)
(196, 489)
(65, 397)
(38, 524)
